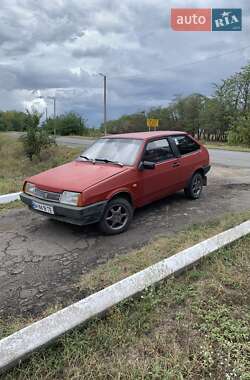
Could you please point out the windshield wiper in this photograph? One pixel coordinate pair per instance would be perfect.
(88, 159)
(109, 161)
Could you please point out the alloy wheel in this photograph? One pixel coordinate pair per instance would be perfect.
(117, 217)
(197, 185)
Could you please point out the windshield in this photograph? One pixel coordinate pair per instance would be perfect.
(122, 151)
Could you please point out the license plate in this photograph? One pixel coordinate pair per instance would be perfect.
(43, 208)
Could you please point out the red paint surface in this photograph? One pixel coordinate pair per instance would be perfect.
(100, 181)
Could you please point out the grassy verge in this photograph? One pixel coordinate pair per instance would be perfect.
(9, 206)
(125, 265)
(195, 326)
(234, 148)
(15, 166)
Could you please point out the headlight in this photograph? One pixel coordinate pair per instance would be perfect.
(70, 198)
(30, 188)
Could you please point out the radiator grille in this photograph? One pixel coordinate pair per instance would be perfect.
(47, 195)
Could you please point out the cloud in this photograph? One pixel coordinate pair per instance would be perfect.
(58, 47)
(92, 52)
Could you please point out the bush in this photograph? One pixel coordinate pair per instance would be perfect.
(69, 124)
(239, 133)
(36, 138)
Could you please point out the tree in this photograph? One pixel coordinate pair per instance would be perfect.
(166, 117)
(239, 133)
(2, 125)
(12, 121)
(214, 120)
(234, 92)
(127, 123)
(187, 113)
(36, 138)
(69, 124)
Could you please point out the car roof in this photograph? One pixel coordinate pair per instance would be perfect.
(146, 135)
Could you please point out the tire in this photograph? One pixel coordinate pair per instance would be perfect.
(194, 189)
(117, 217)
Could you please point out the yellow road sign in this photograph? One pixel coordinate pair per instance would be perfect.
(152, 123)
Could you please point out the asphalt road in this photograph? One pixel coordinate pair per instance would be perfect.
(42, 261)
(229, 158)
(73, 142)
(218, 156)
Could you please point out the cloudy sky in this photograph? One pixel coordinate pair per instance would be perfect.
(57, 48)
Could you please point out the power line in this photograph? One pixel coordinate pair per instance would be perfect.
(208, 58)
(187, 63)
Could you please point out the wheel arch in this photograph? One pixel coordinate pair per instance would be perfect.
(122, 194)
(198, 170)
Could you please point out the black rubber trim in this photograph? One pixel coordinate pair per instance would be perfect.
(174, 146)
(206, 169)
(69, 214)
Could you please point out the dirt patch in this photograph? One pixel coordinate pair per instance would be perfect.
(41, 260)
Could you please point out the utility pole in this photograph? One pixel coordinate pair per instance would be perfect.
(54, 107)
(104, 101)
(54, 100)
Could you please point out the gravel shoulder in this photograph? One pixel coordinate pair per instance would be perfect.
(41, 261)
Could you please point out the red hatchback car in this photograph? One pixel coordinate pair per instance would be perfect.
(117, 174)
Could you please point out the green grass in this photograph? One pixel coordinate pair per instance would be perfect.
(224, 146)
(15, 167)
(160, 248)
(11, 205)
(195, 326)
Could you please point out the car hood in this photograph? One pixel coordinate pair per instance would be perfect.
(75, 176)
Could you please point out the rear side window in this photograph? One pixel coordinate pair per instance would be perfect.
(158, 151)
(185, 144)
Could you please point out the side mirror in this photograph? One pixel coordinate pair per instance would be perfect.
(146, 165)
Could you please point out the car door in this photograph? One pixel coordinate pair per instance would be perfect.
(164, 178)
(190, 157)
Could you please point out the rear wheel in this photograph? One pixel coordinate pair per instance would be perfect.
(194, 189)
(117, 216)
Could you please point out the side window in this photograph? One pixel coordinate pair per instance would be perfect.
(185, 144)
(157, 151)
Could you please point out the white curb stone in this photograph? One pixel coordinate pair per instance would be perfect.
(21, 344)
(7, 198)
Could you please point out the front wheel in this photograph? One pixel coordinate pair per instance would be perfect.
(117, 217)
(194, 189)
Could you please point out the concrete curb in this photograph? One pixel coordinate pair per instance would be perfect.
(21, 344)
(7, 198)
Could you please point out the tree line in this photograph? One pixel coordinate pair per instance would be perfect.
(67, 124)
(223, 117)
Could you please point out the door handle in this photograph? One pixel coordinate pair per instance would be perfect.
(176, 164)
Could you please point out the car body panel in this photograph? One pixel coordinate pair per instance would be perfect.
(100, 182)
(75, 176)
(146, 136)
(161, 181)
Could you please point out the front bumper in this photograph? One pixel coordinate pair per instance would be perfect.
(66, 213)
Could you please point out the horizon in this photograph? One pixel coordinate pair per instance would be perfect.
(62, 46)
